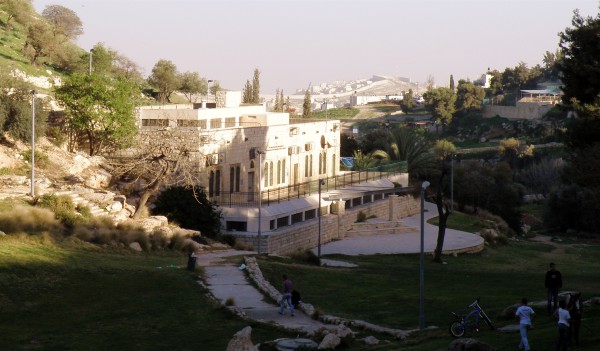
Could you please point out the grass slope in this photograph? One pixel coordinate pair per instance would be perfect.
(75, 296)
(384, 289)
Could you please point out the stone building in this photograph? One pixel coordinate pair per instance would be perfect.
(254, 159)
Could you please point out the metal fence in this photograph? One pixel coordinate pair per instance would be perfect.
(300, 190)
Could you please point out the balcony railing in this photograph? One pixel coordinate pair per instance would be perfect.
(300, 190)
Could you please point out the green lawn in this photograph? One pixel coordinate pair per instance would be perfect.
(69, 295)
(461, 221)
(385, 290)
(336, 113)
(76, 296)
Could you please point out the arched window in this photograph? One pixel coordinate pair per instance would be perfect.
(231, 179)
(310, 172)
(238, 171)
(271, 174)
(283, 171)
(306, 166)
(266, 174)
(320, 163)
(211, 180)
(333, 164)
(218, 182)
(252, 164)
(278, 172)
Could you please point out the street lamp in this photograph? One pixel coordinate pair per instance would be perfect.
(91, 52)
(453, 156)
(321, 182)
(424, 186)
(260, 153)
(33, 92)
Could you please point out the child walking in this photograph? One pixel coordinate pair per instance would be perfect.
(524, 314)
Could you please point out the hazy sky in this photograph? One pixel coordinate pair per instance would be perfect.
(294, 43)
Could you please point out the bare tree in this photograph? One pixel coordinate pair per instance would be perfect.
(165, 157)
(65, 21)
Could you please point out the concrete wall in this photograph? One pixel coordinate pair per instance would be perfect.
(304, 236)
(523, 110)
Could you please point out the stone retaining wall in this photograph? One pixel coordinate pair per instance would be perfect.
(305, 235)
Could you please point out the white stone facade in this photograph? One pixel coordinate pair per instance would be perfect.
(293, 152)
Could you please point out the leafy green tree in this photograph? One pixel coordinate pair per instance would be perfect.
(452, 82)
(306, 106)
(190, 208)
(404, 144)
(278, 104)
(551, 69)
(192, 85)
(495, 83)
(287, 104)
(443, 149)
(64, 20)
(18, 10)
(256, 87)
(215, 87)
(281, 100)
(15, 109)
(407, 102)
(520, 77)
(363, 161)
(165, 78)
(469, 97)
(39, 42)
(348, 145)
(247, 93)
(441, 103)
(100, 109)
(580, 70)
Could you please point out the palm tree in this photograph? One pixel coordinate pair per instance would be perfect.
(406, 145)
(363, 161)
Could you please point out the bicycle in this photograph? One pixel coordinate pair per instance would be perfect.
(470, 321)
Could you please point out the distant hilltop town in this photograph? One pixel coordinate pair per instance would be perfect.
(342, 87)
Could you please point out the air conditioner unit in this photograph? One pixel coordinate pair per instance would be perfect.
(214, 159)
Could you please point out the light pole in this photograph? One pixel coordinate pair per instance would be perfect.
(424, 186)
(452, 182)
(33, 92)
(91, 52)
(259, 197)
(321, 182)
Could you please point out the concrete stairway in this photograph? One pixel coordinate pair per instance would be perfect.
(379, 227)
(79, 201)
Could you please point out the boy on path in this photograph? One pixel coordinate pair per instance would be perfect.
(286, 295)
(524, 313)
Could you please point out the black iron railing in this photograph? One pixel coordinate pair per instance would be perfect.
(300, 190)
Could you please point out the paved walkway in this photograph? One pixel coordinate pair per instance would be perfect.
(455, 240)
(226, 281)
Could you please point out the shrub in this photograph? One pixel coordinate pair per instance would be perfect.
(159, 240)
(230, 301)
(63, 208)
(306, 256)
(41, 159)
(191, 209)
(229, 239)
(29, 220)
(361, 217)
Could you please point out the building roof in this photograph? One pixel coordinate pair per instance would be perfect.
(541, 92)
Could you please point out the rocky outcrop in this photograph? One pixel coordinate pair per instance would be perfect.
(329, 342)
(466, 344)
(241, 341)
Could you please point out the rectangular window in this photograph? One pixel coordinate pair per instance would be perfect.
(310, 214)
(202, 124)
(230, 122)
(193, 123)
(283, 221)
(237, 226)
(297, 217)
(215, 123)
(155, 122)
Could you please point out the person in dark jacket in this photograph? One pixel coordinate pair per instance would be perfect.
(553, 284)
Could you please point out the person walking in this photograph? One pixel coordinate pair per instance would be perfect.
(563, 327)
(524, 314)
(286, 295)
(553, 284)
(575, 310)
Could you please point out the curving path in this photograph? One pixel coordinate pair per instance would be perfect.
(226, 281)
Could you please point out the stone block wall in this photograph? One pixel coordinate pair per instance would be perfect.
(304, 236)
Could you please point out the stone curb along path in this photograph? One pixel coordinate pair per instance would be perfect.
(228, 284)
